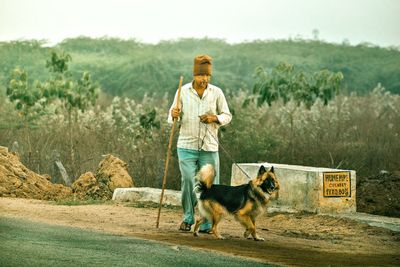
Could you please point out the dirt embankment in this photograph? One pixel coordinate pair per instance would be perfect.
(379, 194)
(16, 180)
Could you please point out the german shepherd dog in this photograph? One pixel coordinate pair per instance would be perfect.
(245, 202)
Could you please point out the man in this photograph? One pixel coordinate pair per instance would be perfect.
(203, 109)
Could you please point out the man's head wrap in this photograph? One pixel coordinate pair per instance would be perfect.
(202, 65)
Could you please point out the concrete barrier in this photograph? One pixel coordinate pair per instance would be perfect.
(311, 189)
(147, 194)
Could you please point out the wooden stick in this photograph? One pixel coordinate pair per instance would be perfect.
(171, 137)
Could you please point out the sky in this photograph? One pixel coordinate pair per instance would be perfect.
(149, 21)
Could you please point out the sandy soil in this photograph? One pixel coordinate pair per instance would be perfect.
(290, 239)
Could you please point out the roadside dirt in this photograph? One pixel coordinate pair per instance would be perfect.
(290, 239)
(379, 194)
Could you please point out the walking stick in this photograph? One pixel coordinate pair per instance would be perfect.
(171, 136)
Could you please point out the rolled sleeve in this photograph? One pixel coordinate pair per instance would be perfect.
(224, 115)
(169, 119)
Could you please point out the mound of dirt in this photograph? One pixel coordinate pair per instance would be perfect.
(379, 194)
(87, 186)
(112, 173)
(18, 181)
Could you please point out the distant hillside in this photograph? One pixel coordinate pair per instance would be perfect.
(132, 69)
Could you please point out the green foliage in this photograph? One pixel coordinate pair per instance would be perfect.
(148, 120)
(133, 69)
(354, 131)
(58, 62)
(75, 94)
(284, 83)
(22, 92)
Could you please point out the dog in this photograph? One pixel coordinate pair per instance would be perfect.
(245, 202)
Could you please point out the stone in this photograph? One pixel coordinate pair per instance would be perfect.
(59, 175)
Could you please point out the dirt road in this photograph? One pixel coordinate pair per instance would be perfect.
(290, 239)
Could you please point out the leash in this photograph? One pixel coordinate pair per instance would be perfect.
(223, 149)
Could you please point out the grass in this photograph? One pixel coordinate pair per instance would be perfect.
(149, 204)
(80, 202)
(140, 205)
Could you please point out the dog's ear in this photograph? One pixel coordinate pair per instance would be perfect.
(272, 169)
(262, 170)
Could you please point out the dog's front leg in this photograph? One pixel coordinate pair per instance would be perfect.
(247, 233)
(215, 229)
(197, 226)
(247, 222)
(255, 236)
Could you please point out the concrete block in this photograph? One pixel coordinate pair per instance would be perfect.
(311, 189)
(147, 194)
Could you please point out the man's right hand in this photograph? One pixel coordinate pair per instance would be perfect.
(175, 113)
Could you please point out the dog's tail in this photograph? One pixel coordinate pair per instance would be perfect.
(205, 178)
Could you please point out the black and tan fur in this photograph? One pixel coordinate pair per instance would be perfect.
(245, 202)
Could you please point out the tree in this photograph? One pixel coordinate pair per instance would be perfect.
(74, 95)
(22, 92)
(27, 98)
(284, 83)
(315, 34)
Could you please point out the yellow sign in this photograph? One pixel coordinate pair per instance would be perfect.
(337, 184)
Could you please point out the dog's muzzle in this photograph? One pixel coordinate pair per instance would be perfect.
(268, 186)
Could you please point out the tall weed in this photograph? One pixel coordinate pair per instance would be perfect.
(351, 132)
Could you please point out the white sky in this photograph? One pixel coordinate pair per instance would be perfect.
(374, 21)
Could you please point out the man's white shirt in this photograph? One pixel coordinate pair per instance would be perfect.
(193, 133)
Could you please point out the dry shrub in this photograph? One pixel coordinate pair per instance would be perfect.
(351, 132)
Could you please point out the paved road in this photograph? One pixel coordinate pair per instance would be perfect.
(25, 243)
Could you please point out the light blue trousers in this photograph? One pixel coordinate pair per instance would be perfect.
(190, 161)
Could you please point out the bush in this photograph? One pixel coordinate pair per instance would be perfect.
(350, 132)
